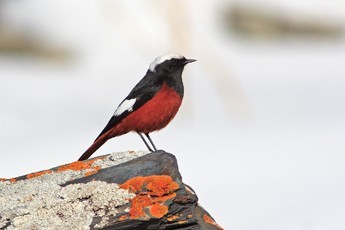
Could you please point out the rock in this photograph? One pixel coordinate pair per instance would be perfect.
(127, 190)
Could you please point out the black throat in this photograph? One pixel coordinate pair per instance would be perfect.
(173, 80)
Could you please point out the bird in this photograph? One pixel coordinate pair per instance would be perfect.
(150, 105)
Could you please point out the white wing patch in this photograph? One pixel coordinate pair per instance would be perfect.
(126, 105)
(162, 59)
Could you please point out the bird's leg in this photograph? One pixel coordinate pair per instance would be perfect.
(147, 145)
(153, 145)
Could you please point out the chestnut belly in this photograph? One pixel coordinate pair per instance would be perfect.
(153, 115)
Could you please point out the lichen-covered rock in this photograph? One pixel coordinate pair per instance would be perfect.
(128, 190)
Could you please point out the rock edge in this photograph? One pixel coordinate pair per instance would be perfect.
(128, 190)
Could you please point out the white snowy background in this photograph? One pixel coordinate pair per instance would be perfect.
(260, 135)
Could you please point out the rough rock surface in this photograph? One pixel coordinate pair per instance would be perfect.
(127, 190)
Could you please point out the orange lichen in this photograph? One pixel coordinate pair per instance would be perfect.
(12, 180)
(152, 193)
(123, 217)
(172, 218)
(157, 185)
(134, 185)
(139, 202)
(81, 165)
(182, 222)
(209, 220)
(158, 210)
(144, 201)
(3, 179)
(161, 185)
(77, 165)
(37, 174)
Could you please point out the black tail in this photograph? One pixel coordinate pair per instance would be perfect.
(96, 145)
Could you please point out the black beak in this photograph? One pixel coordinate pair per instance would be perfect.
(189, 61)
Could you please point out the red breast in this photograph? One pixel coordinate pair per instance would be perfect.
(153, 115)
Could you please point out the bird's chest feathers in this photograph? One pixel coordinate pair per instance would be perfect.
(166, 102)
(156, 113)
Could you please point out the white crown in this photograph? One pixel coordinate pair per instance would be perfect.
(163, 58)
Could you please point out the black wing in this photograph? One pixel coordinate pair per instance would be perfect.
(142, 92)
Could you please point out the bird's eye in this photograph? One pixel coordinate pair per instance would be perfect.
(174, 61)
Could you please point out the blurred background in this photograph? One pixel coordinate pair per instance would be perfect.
(261, 132)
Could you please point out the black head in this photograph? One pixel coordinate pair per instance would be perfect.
(169, 64)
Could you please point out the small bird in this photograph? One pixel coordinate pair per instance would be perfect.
(151, 104)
